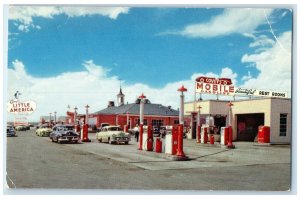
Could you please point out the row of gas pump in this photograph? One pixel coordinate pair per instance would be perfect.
(173, 143)
(226, 136)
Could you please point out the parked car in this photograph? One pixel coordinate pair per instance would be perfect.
(43, 130)
(156, 131)
(113, 135)
(163, 131)
(64, 133)
(20, 128)
(102, 125)
(10, 131)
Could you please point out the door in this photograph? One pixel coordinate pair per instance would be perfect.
(247, 126)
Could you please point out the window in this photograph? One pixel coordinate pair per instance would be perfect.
(137, 121)
(283, 125)
(157, 123)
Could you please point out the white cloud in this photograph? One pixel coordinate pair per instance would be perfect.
(262, 41)
(91, 86)
(247, 77)
(274, 65)
(233, 20)
(24, 14)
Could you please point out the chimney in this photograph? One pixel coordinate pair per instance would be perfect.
(111, 104)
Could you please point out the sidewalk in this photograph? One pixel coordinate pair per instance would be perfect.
(200, 155)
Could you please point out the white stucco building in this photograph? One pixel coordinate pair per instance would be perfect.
(246, 117)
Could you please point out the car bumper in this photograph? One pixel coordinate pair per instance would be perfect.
(68, 139)
(121, 139)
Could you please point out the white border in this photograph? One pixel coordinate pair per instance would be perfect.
(176, 3)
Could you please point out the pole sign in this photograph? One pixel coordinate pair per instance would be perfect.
(223, 86)
(26, 107)
(209, 85)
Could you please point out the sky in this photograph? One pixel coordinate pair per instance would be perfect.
(78, 55)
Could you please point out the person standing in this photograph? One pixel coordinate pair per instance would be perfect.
(136, 132)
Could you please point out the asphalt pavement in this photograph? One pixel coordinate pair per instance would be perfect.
(34, 162)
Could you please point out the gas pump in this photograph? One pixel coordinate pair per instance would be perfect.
(84, 133)
(224, 135)
(171, 140)
(150, 139)
(204, 136)
(147, 138)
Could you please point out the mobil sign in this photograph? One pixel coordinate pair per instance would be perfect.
(216, 86)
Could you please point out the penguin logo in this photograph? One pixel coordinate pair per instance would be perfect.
(16, 95)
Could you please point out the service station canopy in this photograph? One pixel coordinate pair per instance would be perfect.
(223, 86)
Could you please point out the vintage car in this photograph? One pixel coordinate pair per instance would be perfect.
(20, 128)
(10, 131)
(43, 130)
(156, 131)
(64, 133)
(113, 135)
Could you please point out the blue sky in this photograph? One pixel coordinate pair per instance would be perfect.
(152, 50)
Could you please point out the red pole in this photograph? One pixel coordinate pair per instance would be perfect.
(180, 141)
(85, 130)
(205, 137)
(198, 134)
(125, 128)
(141, 137)
(230, 145)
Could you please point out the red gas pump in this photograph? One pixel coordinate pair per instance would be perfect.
(158, 145)
(85, 131)
(205, 138)
(263, 134)
(212, 139)
(230, 145)
(174, 140)
(141, 137)
(149, 139)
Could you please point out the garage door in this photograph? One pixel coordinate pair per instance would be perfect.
(247, 126)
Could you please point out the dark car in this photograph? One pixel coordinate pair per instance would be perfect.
(10, 131)
(163, 131)
(64, 133)
(156, 131)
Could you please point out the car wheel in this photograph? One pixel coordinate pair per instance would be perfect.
(100, 140)
(126, 142)
(52, 140)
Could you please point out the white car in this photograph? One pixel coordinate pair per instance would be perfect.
(113, 135)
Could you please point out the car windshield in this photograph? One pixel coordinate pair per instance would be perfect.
(114, 129)
(67, 128)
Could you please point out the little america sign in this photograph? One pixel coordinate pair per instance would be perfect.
(26, 107)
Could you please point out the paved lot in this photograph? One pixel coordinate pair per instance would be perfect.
(36, 162)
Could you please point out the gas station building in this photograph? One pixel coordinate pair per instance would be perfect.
(246, 117)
